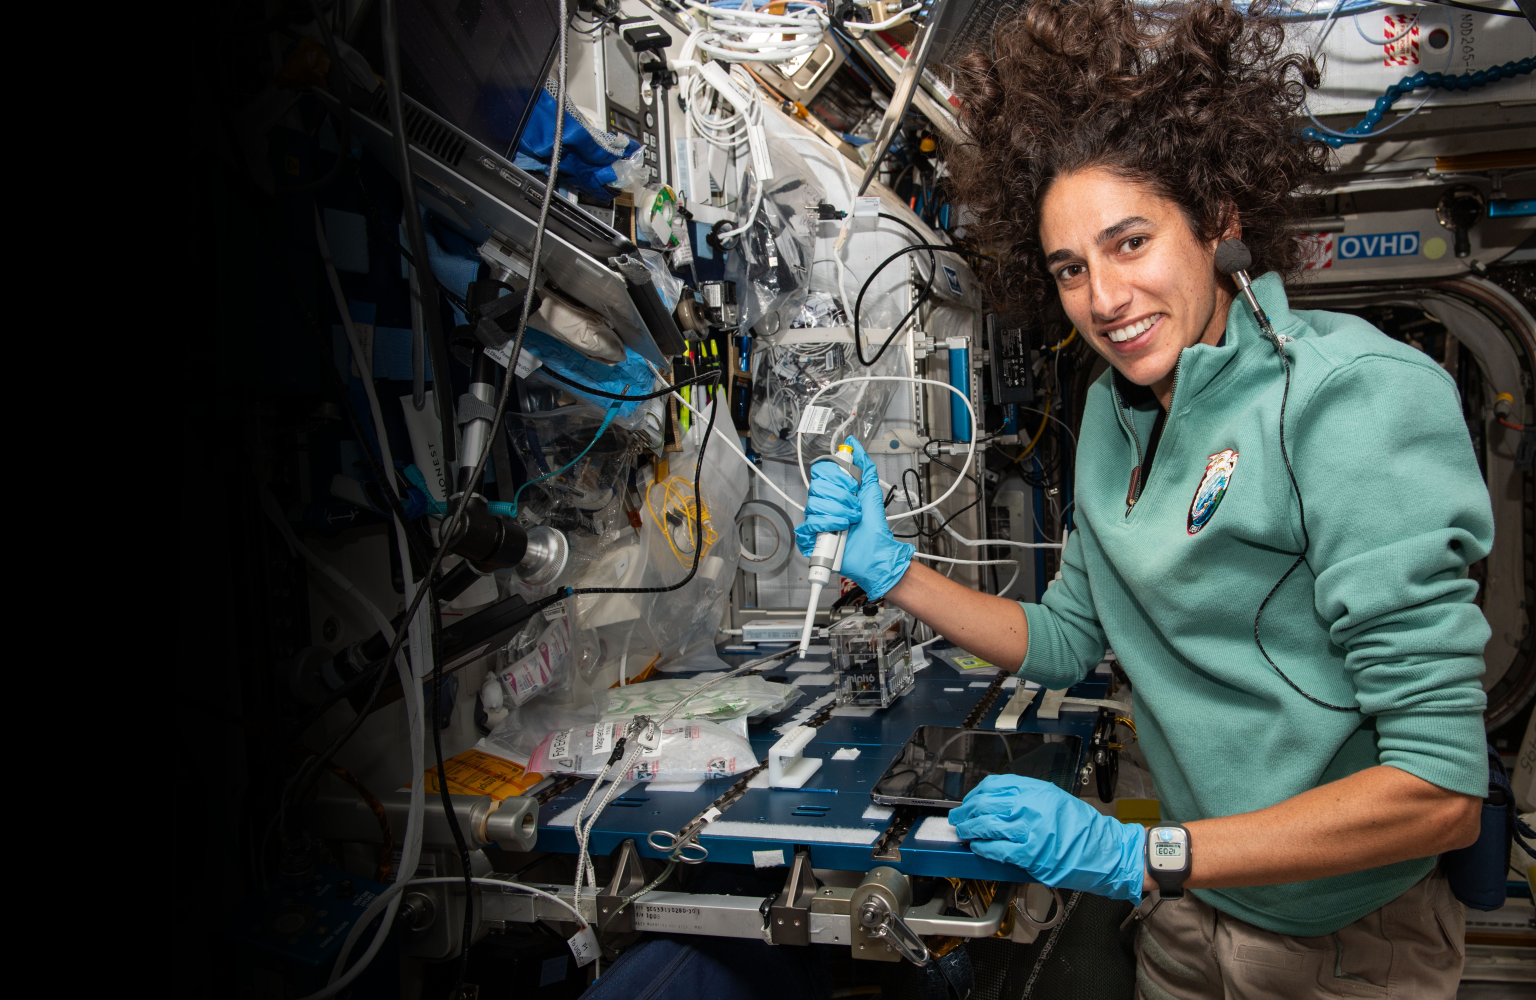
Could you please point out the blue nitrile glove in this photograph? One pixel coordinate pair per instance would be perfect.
(1057, 837)
(873, 558)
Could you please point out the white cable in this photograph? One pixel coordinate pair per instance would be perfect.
(969, 455)
(979, 562)
(498, 883)
(743, 34)
(275, 515)
(735, 449)
(420, 653)
(980, 542)
(889, 22)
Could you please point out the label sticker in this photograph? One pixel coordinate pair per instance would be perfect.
(1378, 245)
(560, 746)
(602, 738)
(535, 671)
(584, 945)
(1401, 36)
(1319, 250)
(953, 277)
(768, 859)
(814, 419)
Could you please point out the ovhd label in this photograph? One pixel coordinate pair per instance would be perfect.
(1378, 245)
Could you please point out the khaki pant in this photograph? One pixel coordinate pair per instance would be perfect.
(1412, 949)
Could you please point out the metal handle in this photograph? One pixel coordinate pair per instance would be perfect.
(1020, 905)
(675, 846)
(879, 920)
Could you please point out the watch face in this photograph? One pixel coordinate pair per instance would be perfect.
(1168, 849)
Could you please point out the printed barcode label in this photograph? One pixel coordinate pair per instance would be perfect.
(814, 419)
(526, 363)
(554, 611)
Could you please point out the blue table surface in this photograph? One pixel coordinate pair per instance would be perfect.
(831, 805)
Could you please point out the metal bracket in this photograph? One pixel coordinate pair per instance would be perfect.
(789, 918)
(628, 879)
(888, 847)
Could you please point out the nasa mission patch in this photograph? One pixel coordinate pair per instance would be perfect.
(1213, 486)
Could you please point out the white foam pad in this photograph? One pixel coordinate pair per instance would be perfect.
(793, 832)
(936, 828)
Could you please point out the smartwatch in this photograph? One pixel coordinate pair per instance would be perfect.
(1168, 859)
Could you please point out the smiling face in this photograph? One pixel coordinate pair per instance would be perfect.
(1134, 278)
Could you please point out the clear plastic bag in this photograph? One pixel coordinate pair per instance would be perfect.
(786, 377)
(517, 736)
(771, 261)
(692, 750)
(739, 697)
(640, 629)
(543, 657)
(668, 285)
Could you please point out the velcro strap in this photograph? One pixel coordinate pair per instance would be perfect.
(473, 408)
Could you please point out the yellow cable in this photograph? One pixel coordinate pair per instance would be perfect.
(1064, 343)
(1127, 722)
(677, 498)
(1045, 419)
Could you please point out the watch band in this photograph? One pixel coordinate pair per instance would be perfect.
(1169, 881)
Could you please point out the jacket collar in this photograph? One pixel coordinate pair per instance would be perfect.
(1242, 345)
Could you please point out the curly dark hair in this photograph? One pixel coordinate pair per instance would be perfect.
(1195, 99)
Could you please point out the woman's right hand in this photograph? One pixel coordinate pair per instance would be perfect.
(873, 557)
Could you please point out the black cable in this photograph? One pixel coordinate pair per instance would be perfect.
(456, 517)
(1306, 544)
(442, 786)
(933, 262)
(858, 342)
(409, 211)
(697, 380)
(934, 533)
(698, 523)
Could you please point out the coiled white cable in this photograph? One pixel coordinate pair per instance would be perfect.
(970, 455)
(745, 34)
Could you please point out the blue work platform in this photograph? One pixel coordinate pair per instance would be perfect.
(832, 814)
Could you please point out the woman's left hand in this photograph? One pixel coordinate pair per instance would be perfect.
(1058, 838)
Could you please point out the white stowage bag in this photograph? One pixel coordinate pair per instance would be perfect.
(580, 328)
(687, 751)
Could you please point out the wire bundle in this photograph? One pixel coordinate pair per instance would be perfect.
(742, 33)
(680, 510)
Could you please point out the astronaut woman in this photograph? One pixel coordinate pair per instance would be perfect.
(1320, 760)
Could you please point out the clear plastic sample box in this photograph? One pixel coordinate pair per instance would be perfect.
(871, 658)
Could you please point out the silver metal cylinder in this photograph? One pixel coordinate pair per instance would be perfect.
(514, 825)
(545, 557)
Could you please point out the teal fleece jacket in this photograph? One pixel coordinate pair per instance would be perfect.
(1379, 616)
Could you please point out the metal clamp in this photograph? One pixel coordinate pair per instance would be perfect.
(880, 921)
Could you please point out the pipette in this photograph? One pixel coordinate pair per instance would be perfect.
(827, 556)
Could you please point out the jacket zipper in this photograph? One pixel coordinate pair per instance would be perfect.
(1133, 492)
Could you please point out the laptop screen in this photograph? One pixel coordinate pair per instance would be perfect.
(478, 63)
